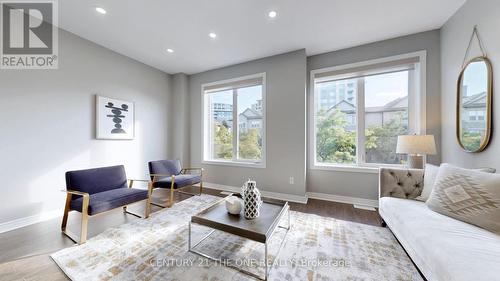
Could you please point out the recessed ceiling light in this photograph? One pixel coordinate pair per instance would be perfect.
(170, 50)
(100, 10)
(212, 35)
(272, 14)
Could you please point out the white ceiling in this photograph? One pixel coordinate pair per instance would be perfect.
(143, 30)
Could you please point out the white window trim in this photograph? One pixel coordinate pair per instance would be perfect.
(204, 131)
(416, 112)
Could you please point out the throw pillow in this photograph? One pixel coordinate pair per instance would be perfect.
(467, 195)
(430, 175)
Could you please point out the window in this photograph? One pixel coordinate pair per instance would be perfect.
(472, 116)
(476, 115)
(360, 126)
(480, 115)
(234, 121)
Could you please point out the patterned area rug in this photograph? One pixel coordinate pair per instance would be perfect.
(315, 248)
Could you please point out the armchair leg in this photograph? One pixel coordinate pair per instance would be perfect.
(66, 212)
(85, 219)
(171, 200)
(148, 201)
(83, 234)
(201, 187)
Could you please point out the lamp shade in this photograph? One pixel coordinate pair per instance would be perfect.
(416, 144)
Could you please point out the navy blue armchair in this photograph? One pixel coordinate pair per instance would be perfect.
(170, 174)
(95, 191)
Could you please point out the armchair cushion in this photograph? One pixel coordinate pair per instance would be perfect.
(400, 183)
(111, 199)
(165, 167)
(96, 180)
(180, 181)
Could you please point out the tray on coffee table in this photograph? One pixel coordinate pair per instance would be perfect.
(259, 229)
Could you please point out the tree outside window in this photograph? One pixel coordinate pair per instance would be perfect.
(235, 118)
(339, 134)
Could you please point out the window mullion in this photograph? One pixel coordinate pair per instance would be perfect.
(360, 102)
(235, 124)
(209, 126)
(413, 125)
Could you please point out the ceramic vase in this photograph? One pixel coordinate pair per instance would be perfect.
(251, 200)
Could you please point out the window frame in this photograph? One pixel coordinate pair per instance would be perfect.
(416, 112)
(205, 139)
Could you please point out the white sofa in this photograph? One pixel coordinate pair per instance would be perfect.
(441, 247)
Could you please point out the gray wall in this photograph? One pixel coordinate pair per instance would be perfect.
(365, 185)
(454, 39)
(285, 127)
(180, 119)
(47, 124)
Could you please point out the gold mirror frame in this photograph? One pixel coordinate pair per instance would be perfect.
(489, 95)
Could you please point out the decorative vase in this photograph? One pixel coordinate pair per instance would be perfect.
(233, 205)
(251, 200)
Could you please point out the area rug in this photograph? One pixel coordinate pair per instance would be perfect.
(315, 248)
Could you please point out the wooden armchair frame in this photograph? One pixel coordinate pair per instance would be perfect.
(86, 216)
(170, 202)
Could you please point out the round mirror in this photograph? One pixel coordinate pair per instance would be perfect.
(474, 105)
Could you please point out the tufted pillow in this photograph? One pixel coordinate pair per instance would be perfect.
(467, 195)
(430, 175)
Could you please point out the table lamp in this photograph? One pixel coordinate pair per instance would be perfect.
(416, 146)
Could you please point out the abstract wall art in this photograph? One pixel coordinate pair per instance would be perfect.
(114, 119)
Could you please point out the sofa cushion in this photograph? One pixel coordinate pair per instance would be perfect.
(111, 199)
(442, 248)
(97, 180)
(467, 195)
(180, 181)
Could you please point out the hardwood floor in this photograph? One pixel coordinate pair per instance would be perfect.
(25, 251)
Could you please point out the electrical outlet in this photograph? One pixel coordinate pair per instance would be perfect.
(291, 180)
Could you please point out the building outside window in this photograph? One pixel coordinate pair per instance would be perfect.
(333, 93)
(358, 112)
(475, 112)
(237, 103)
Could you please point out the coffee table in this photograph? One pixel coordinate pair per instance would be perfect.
(260, 229)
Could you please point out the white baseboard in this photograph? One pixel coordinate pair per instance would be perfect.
(22, 222)
(343, 199)
(298, 198)
(364, 207)
(268, 194)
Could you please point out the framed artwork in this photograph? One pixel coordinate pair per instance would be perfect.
(114, 119)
